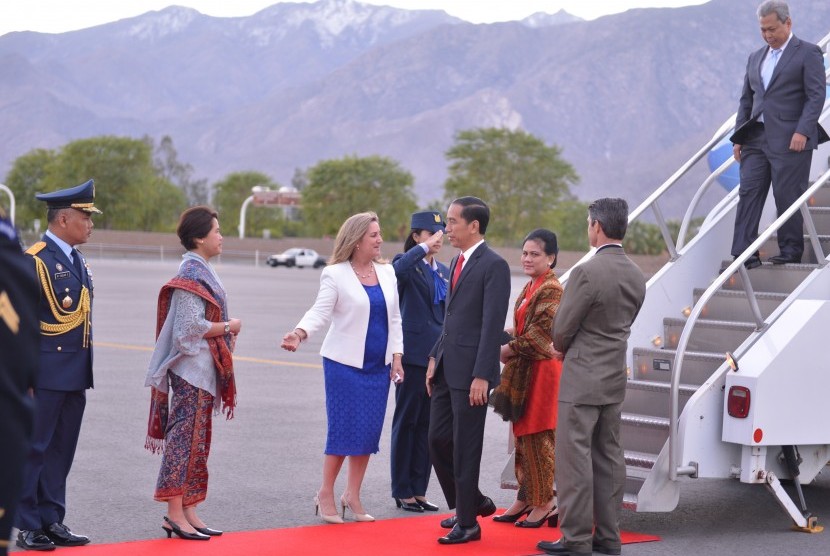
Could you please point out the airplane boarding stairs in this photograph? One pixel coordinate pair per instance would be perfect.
(709, 314)
(677, 422)
(682, 415)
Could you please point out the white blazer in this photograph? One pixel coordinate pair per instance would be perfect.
(342, 302)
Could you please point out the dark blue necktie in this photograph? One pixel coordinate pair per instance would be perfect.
(76, 260)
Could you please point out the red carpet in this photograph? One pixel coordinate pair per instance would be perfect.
(412, 535)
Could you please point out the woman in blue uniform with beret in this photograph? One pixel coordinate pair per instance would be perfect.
(422, 288)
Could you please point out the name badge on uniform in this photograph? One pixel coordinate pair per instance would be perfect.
(61, 275)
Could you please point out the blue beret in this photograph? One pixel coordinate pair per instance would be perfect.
(427, 220)
(81, 197)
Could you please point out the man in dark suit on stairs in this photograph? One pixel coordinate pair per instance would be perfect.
(464, 366)
(776, 131)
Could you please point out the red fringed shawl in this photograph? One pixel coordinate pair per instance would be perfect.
(219, 349)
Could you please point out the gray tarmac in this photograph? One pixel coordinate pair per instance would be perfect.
(265, 464)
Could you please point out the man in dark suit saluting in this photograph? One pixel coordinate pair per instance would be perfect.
(776, 131)
(464, 366)
(65, 367)
(591, 328)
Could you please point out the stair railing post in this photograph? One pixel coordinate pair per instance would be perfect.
(750, 296)
(811, 231)
(661, 223)
(687, 218)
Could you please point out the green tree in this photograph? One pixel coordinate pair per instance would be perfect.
(232, 191)
(25, 179)
(128, 189)
(180, 174)
(645, 238)
(516, 173)
(568, 220)
(339, 188)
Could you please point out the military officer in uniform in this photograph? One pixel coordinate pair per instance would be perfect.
(64, 367)
(19, 337)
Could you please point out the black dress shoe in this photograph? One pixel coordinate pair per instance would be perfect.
(427, 505)
(34, 540)
(784, 259)
(409, 506)
(62, 536)
(460, 535)
(558, 548)
(596, 547)
(449, 522)
(487, 507)
(752, 262)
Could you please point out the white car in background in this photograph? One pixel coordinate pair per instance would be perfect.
(297, 256)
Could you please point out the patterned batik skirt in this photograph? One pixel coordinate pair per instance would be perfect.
(186, 444)
(534, 467)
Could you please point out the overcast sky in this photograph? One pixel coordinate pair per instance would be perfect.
(58, 16)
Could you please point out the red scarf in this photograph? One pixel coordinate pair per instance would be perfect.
(219, 349)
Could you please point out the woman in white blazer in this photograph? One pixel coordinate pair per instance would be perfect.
(362, 351)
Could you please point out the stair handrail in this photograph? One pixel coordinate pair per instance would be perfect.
(704, 187)
(651, 200)
(801, 204)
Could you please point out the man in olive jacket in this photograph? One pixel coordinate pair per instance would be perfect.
(591, 328)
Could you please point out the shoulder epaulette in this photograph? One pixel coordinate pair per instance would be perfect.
(36, 248)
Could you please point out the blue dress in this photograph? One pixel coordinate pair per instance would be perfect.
(356, 398)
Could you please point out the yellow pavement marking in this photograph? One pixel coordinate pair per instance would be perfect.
(235, 357)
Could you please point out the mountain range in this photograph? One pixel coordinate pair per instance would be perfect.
(628, 97)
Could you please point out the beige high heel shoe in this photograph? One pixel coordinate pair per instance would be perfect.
(327, 518)
(357, 517)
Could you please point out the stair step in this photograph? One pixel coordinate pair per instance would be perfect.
(733, 305)
(708, 335)
(820, 198)
(631, 492)
(656, 365)
(770, 248)
(821, 218)
(648, 397)
(640, 460)
(778, 278)
(629, 501)
(644, 433)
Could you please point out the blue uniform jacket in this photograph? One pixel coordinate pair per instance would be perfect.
(422, 320)
(65, 364)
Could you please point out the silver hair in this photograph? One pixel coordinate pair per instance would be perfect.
(777, 7)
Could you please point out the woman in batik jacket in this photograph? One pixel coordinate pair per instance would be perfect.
(529, 390)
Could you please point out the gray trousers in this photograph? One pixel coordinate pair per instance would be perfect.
(590, 474)
(788, 173)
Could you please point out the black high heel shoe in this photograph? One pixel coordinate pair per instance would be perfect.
(552, 517)
(208, 531)
(512, 518)
(426, 505)
(182, 534)
(409, 506)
